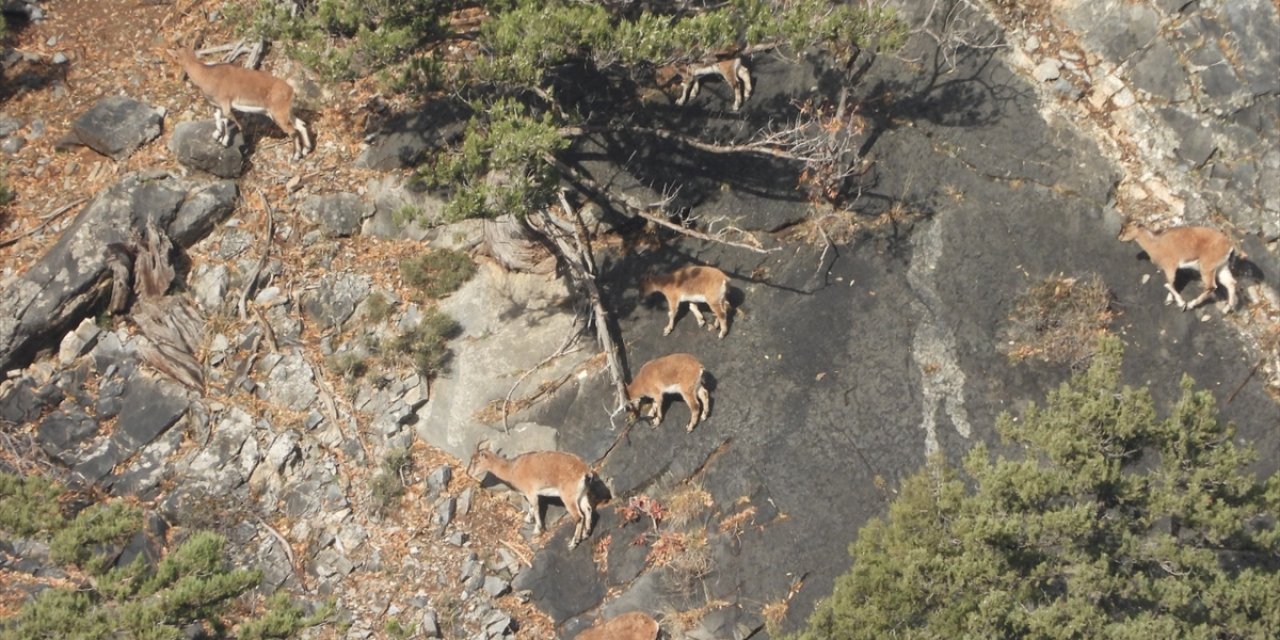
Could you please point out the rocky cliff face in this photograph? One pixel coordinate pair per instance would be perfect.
(1005, 147)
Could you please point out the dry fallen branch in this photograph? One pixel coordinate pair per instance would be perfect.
(284, 544)
(44, 222)
(640, 209)
(252, 282)
(955, 28)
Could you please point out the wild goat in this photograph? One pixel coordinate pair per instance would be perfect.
(234, 88)
(676, 373)
(1206, 250)
(628, 626)
(692, 285)
(552, 474)
(730, 67)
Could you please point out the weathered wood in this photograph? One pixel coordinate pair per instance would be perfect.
(514, 245)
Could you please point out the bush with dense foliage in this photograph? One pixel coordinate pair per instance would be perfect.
(191, 584)
(1111, 523)
(438, 273)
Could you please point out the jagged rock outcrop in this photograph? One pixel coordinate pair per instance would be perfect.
(67, 283)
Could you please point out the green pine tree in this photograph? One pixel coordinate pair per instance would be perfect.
(1111, 523)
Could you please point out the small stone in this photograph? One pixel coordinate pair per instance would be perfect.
(445, 512)
(1068, 91)
(60, 58)
(352, 536)
(13, 144)
(471, 567)
(1123, 99)
(1048, 70)
(284, 451)
(313, 419)
(1033, 43)
(457, 538)
(495, 586)
(473, 584)
(509, 560)
(78, 342)
(270, 297)
(438, 480)
(497, 625)
(430, 627)
(464, 501)
(8, 125)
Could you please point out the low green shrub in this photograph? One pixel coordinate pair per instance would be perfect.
(427, 343)
(100, 524)
(284, 618)
(438, 273)
(29, 505)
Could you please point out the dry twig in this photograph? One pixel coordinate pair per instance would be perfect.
(262, 259)
(44, 222)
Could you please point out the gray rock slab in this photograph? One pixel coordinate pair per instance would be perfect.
(8, 125)
(21, 402)
(438, 480)
(1159, 71)
(149, 408)
(230, 457)
(13, 144)
(495, 586)
(404, 140)
(510, 322)
(117, 125)
(860, 371)
(147, 468)
(61, 288)
(61, 432)
(1255, 29)
(335, 297)
(564, 583)
(1117, 28)
(290, 383)
(339, 214)
(194, 145)
(401, 209)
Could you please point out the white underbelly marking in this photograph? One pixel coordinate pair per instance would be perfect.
(248, 108)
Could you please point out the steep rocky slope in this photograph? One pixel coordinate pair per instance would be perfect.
(1002, 152)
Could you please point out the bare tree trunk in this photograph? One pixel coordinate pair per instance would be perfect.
(574, 249)
(513, 244)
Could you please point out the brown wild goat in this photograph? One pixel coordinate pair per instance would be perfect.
(635, 625)
(676, 373)
(693, 285)
(537, 474)
(234, 88)
(728, 66)
(1206, 250)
